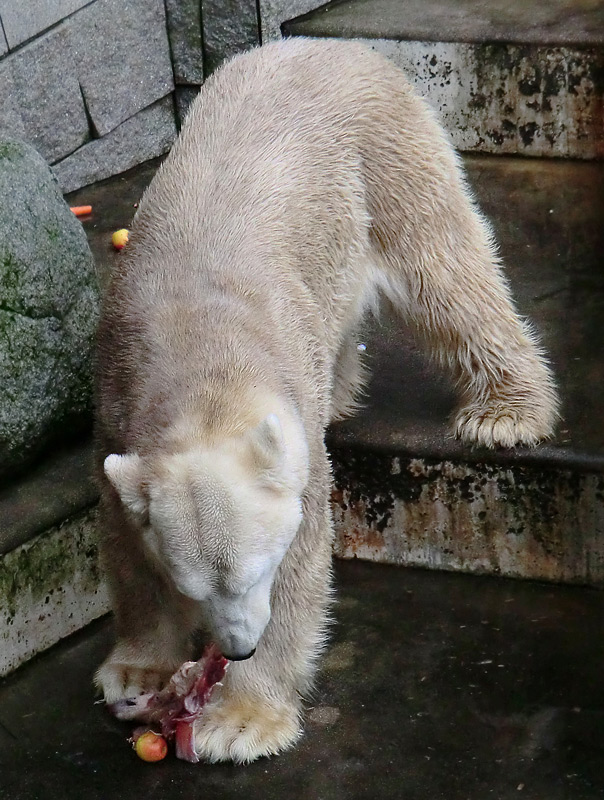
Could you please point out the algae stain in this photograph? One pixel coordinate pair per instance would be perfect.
(10, 150)
(49, 561)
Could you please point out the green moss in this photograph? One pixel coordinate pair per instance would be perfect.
(54, 234)
(50, 561)
(10, 273)
(10, 150)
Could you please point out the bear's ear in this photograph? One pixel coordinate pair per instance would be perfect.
(267, 443)
(125, 475)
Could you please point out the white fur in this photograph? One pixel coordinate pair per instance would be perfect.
(308, 179)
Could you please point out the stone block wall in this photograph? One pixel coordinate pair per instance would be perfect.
(89, 84)
(202, 34)
(97, 86)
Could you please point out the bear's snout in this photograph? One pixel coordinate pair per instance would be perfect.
(240, 658)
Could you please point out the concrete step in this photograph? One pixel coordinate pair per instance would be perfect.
(523, 77)
(50, 584)
(407, 493)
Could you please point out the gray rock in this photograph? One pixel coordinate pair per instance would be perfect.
(184, 30)
(229, 27)
(23, 20)
(48, 93)
(123, 58)
(48, 308)
(184, 97)
(146, 135)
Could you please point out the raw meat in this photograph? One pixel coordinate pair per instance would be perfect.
(175, 709)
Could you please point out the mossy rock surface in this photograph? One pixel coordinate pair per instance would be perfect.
(48, 309)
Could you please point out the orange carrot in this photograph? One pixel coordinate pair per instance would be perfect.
(81, 211)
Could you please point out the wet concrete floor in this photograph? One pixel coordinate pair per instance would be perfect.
(435, 686)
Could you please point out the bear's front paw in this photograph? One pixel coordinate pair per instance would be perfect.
(121, 681)
(242, 729)
(501, 424)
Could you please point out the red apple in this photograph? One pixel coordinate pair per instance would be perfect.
(151, 746)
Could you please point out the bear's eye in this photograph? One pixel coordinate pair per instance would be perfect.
(238, 590)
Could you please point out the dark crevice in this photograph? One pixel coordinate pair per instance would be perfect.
(71, 152)
(94, 133)
(259, 22)
(7, 731)
(167, 15)
(3, 29)
(175, 113)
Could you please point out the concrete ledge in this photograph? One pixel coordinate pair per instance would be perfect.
(509, 99)
(49, 588)
(57, 489)
(525, 81)
(514, 521)
(557, 22)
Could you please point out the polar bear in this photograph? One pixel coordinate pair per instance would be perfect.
(308, 180)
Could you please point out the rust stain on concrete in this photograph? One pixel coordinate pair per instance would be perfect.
(515, 521)
(528, 99)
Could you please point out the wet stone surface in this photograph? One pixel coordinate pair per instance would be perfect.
(434, 686)
(579, 22)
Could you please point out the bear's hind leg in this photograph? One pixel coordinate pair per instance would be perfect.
(441, 270)
(350, 377)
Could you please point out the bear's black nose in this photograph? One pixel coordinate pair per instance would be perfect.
(240, 658)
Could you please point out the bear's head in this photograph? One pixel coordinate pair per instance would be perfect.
(219, 519)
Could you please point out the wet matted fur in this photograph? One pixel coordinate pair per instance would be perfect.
(308, 179)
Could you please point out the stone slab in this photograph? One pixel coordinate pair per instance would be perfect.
(229, 27)
(184, 96)
(186, 40)
(122, 58)
(60, 487)
(24, 20)
(48, 95)
(149, 133)
(556, 22)
(49, 588)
